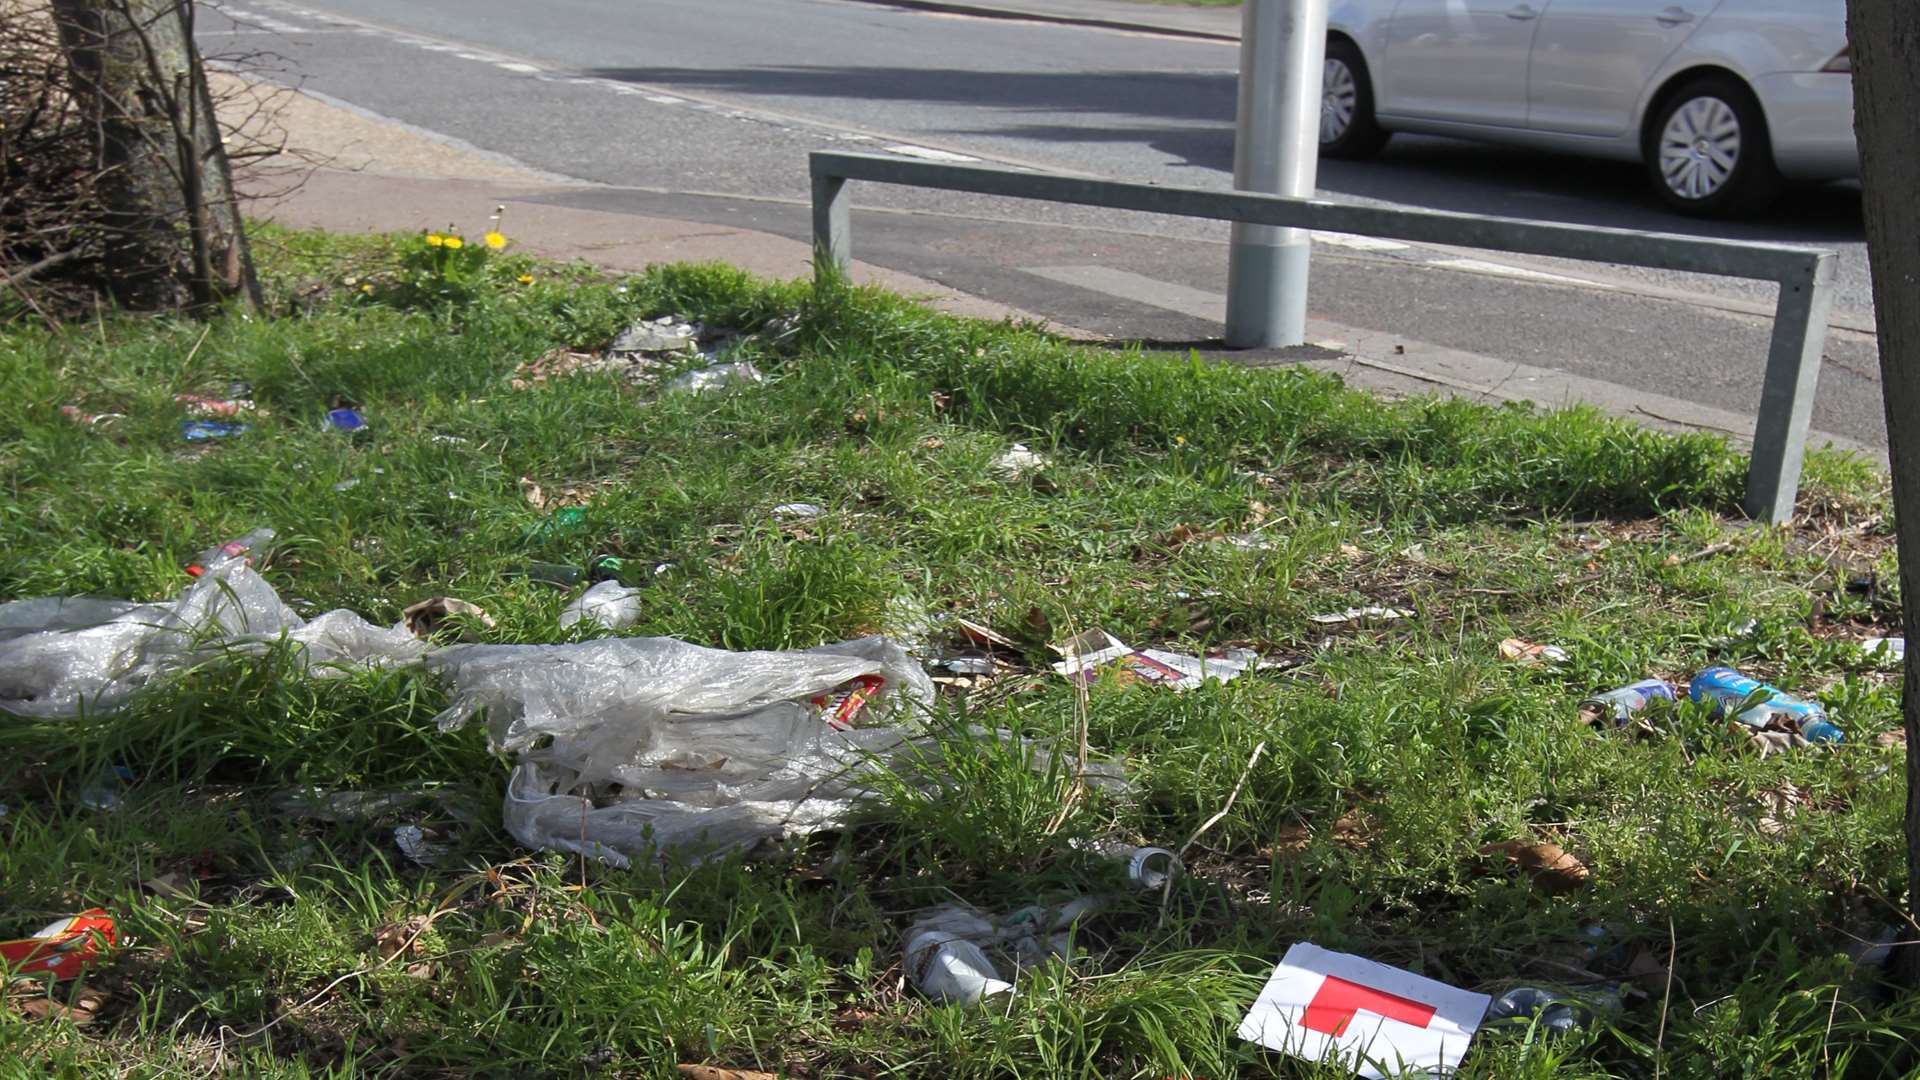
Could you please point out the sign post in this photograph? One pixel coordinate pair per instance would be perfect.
(1276, 151)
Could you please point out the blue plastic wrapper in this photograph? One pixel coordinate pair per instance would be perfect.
(344, 420)
(203, 430)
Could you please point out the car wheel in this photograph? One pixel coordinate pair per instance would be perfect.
(1707, 150)
(1347, 127)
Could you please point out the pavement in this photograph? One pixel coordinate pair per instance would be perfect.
(345, 170)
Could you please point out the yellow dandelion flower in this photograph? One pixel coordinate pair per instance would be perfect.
(495, 240)
(1179, 440)
(525, 279)
(364, 287)
(455, 242)
(434, 239)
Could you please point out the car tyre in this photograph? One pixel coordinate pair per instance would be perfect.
(1347, 125)
(1707, 151)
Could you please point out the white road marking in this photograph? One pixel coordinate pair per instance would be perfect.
(516, 67)
(1358, 243)
(662, 99)
(1138, 288)
(1481, 266)
(927, 153)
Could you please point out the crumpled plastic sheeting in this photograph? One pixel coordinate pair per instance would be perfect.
(60, 656)
(630, 743)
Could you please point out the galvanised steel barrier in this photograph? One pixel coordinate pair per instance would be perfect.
(1805, 275)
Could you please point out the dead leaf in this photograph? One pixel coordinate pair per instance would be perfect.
(1038, 622)
(1896, 737)
(1182, 535)
(1349, 831)
(81, 1007)
(1553, 870)
(1779, 805)
(715, 1072)
(429, 615)
(531, 492)
(1646, 970)
(394, 938)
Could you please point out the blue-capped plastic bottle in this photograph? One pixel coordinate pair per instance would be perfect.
(1727, 691)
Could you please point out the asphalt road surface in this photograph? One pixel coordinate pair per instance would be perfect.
(705, 110)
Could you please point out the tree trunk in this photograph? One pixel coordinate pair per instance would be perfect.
(1886, 86)
(175, 237)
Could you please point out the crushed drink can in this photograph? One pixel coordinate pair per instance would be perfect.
(1620, 705)
(1730, 692)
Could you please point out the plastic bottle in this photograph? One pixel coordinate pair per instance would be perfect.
(1726, 690)
(1555, 1015)
(239, 548)
(950, 969)
(1147, 867)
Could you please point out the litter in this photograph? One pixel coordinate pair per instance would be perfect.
(1527, 654)
(1556, 1015)
(67, 947)
(417, 845)
(566, 520)
(1356, 614)
(984, 636)
(103, 791)
(1620, 706)
(344, 420)
(241, 547)
(1091, 655)
(1760, 706)
(946, 954)
(664, 334)
(1886, 648)
(74, 413)
(625, 744)
(1250, 542)
(1374, 1019)
(607, 603)
(204, 430)
(717, 377)
(215, 407)
(1016, 461)
(552, 573)
(1147, 867)
(427, 617)
(62, 655)
(800, 510)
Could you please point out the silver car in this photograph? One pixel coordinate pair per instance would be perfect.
(1724, 101)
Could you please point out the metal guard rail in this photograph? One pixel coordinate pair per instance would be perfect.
(1805, 275)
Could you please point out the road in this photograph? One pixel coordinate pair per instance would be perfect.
(706, 109)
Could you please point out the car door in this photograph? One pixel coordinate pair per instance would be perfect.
(1459, 60)
(1592, 60)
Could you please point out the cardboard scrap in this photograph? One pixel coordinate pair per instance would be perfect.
(429, 615)
(1374, 1019)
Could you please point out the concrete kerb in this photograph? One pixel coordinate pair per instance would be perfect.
(1141, 24)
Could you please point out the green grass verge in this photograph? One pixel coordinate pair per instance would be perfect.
(1395, 752)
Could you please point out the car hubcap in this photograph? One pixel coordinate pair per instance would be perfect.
(1700, 147)
(1339, 96)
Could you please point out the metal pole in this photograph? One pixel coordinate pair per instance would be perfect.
(1276, 150)
(1786, 397)
(832, 226)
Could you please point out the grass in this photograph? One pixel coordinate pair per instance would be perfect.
(1395, 752)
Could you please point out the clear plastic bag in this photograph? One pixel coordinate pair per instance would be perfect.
(627, 743)
(62, 656)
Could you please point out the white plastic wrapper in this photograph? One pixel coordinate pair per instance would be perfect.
(629, 743)
(62, 655)
(608, 603)
(950, 950)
